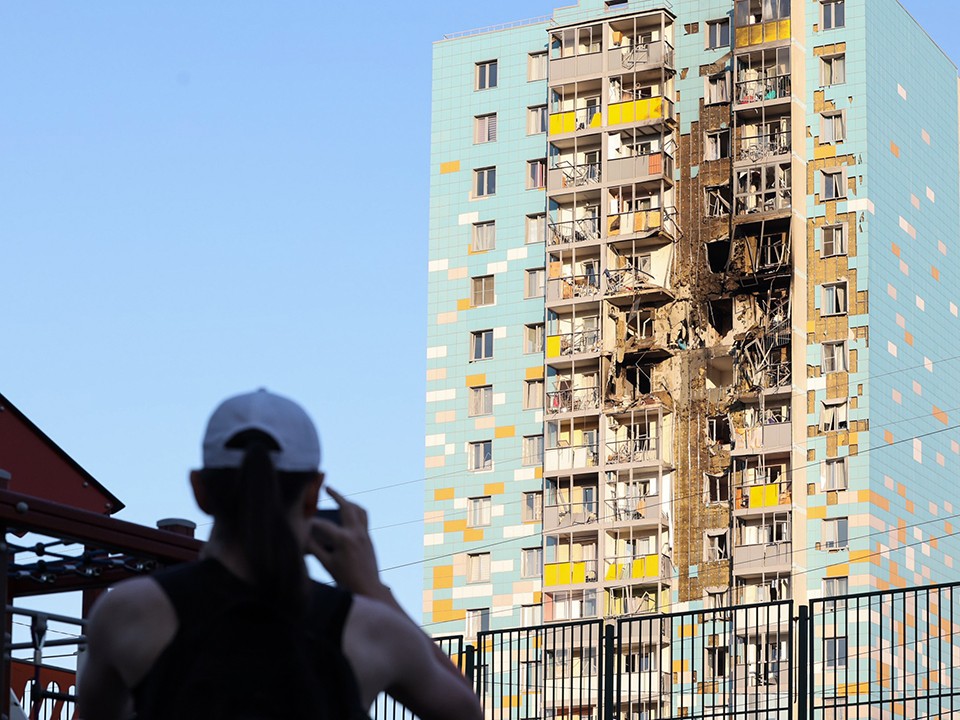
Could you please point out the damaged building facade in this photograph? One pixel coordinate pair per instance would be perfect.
(693, 328)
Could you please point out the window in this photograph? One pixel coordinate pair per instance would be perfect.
(718, 33)
(480, 456)
(833, 357)
(533, 338)
(834, 587)
(536, 228)
(484, 236)
(485, 128)
(536, 280)
(478, 567)
(478, 621)
(833, 14)
(478, 512)
(835, 474)
(835, 533)
(833, 240)
(486, 75)
(481, 400)
(834, 184)
(531, 562)
(835, 652)
(536, 174)
(533, 450)
(717, 488)
(481, 291)
(537, 66)
(532, 394)
(716, 545)
(833, 300)
(530, 615)
(484, 182)
(833, 70)
(716, 145)
(717, 201)
(833, 415)
(717, 663)
(717, 89)
(532, 510)
(833, 127)
(481, 345)
(536, 119)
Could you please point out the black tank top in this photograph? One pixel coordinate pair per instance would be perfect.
(236, 657)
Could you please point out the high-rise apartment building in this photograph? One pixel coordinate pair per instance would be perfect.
(693, 310)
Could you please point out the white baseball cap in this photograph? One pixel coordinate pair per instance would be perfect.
(279, 417)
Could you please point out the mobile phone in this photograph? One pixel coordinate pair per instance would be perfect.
(331, 514)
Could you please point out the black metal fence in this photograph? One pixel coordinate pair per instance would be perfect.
(885, 654)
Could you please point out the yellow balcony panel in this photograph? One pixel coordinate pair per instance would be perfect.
(553, 346)
(645, 568)
(614, 571)
(784, 29)
(636, 111)
(563, 122)
(756, 34)
(743, 36)
(564, 573)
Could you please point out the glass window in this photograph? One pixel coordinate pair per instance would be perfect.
(478, 511)
(531, 562)
(835, 652)
(537, 66)
(530, 615)
(532, 510)
(833, 240)
(717, 89)
(835, 474)
(835, 533)
(833, 70)
(533, 450)
(481, 455)
(477, 621)
(536, 228)
(718, 33)
(833, 14)
(833, 301)
(478, 567)
(481, 291)
(481, 400)
(833, 357)
(536, 119)
(484, 236)
(485, 128)
(833, 127)
(532, 394)
(533, 338)
(834, 184)
(536, 279)
(481, 345)
(536, 174)
(716, 145)
(484, 182)
(486, 75)
(833, 415)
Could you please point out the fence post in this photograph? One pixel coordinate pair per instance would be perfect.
(469, 663)
(609, 648)
(802, 669)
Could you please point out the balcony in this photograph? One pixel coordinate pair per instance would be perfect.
(565, 174)
(569, 605)
(763, 495)
(769, 437)
(634, 167)
(637, 56)
(764, 146)
(763, 189)
(573, 400)
(633, 450)
(569, 573)
(573, 232)
(558, 515)
(575, 52)
(644, 568)
(635, 510)
(568, 287)
(631, 222)
(761, 21)
(568, 121)
(768, 557)
(570, 457)
(762, 89)
(653, 109)
(573, 343)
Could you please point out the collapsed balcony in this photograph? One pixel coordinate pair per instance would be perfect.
(640, 273)
(762, 430)
(763, 248)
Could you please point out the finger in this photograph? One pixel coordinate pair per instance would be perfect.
(326, 533)
(351, 513)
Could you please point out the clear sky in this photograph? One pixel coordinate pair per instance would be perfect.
(201, 198)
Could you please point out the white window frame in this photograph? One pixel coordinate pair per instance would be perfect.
(834, 415)
(533, 338)
(531, 450)
(835, 474)
(714, 145)
(480, 456)
(478, 567)
(835, 586)
(481, 401)
(484, 128)
(537, 119)
(483, 79)
(829, 123)
(716, 88)
(536, 229)
(716, 546)
(537, 66)
(714, 34)
(485, 181)
(533, 394)
(834, 357)
(531, 562)
(477, 620)
(482, 291)
(537, 174)
(532, 508)
(483, 350)
(534, 285)
(833, 240)
(835, 652)
(836, 533)
(483, 236)
(478, 511)
(828, 13)
(834, 299)
(833, 180)
(532, 616)
(833, 70)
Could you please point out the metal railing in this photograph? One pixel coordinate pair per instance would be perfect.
(763, 146)
(772, 87)
(573, 286)
(572, 175)
(580, 341)
(639, 449)
(573, 400)
(627, 280)
(574, 231)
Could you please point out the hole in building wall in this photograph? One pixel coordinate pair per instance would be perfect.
(721, 315)
(718, 254)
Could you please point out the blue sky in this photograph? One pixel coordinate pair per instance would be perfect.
(201, 198)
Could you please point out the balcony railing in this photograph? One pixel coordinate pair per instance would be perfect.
(574, 231)
(764, 201)
(772, 87)
(573, 286)
(776, 375)
(565, 174)
(631, 167)
(627, 223)
(567, 121)
(569, 573)
(573, 343)
(641, 568)
(628, 280)
(763, 495)
(642, 110)
(643, 507)
(758, 148)
(640, 449)
(640, 56)
(573, 400)
(570, 458)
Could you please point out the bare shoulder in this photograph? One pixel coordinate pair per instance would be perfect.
(130, 626)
